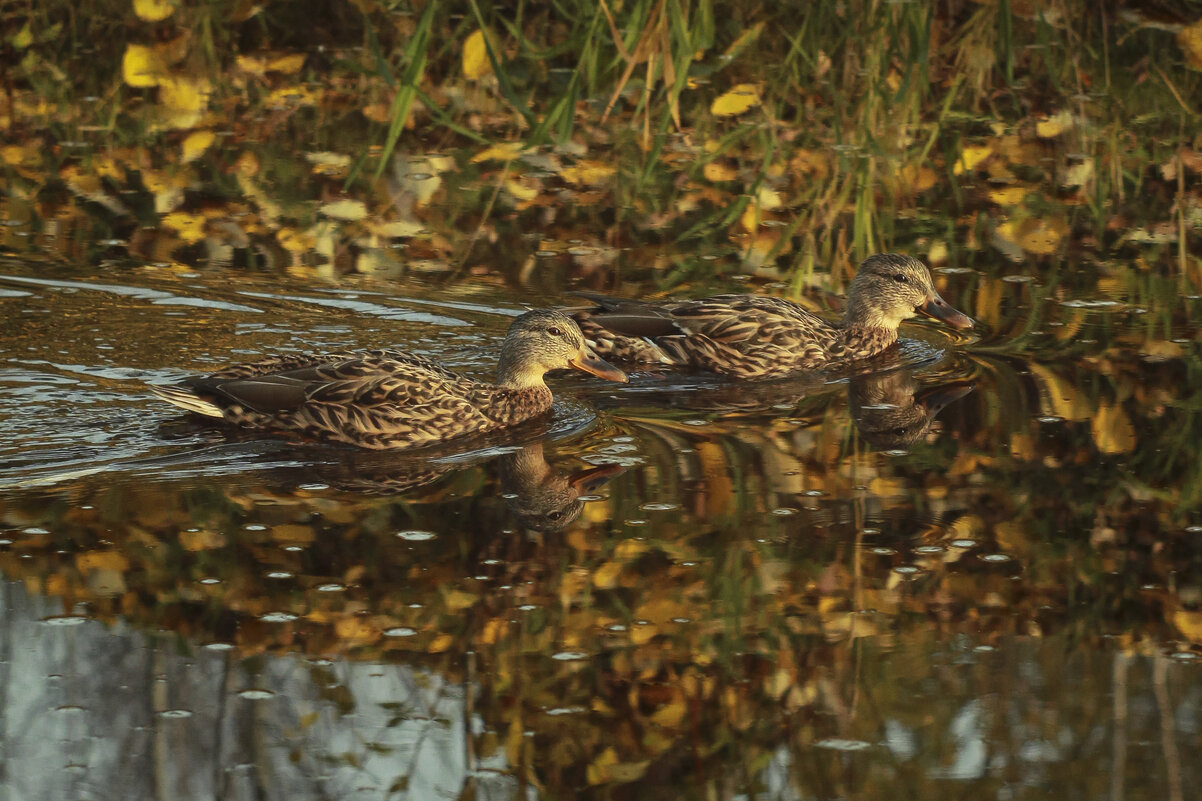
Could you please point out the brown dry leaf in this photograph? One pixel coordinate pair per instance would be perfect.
(1190, 39)
(476, 64)
(741, 98)
(1112, 430)
(719, 171)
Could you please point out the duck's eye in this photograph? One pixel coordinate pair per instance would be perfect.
(554, 515)
(555, 331)
(899, 277)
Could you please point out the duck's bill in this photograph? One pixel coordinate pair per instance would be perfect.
(940, 309)
(598, 367)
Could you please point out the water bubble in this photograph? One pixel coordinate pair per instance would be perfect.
(569, 656)
(218, 646)
(635, 522)
(256, 694)
(65, 620)
(963, 543)
(331, 587)
(416, 536)
(254, 527)
(784, 511)
(313, 487)
(400, 631)
(209, 581)
(277, 617)
(588, 497)
(1186, 656)
(929, 549)
(840, 744)
(995, 557)
(279, 574)
(659, 507)
(176, 713)
(884, 551)
(907, 570)
(566, 710)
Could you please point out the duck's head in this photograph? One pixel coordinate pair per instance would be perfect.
(543, 340)
(891, 287)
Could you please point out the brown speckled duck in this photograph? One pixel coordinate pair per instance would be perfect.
(749, 336)
(389, 399)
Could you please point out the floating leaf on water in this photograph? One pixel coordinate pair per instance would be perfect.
(1055, 125)
(588, 172)
(504, 151)
(345, 209)
(719, 171)
(741, 98)
(286, 64)
(971, 156)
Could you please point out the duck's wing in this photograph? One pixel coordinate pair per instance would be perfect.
(364, 379)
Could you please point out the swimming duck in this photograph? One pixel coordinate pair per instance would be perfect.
(749, 336)
(390, 399)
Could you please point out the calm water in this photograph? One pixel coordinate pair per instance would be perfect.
(972, 570)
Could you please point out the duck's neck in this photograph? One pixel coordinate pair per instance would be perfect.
(510, 405)
(861, 341)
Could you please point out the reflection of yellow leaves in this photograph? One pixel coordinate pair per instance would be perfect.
(101, 560)
(440, 643)
(286, 64)
(720, 171)
(1054, 125)
(475, 57)
(1039, 236)
(457, 600)
(608, 768)
(1058, 396)
(738, 100)
(184, 94)
(917, 178)
(670, 714)
(1008, 195)
(1189, 624)
(1190, 39)
(195, 144)
(588, 172)
(142, 67)
(292, 532)
(499, 152)
(971, 156)
(327, 163)
(189, 227)
(345, 209)
(356, 630)
(154, 10)
(520, 190)
(1078, 174)
(1112, 430)
(606, 576)
(396, 228)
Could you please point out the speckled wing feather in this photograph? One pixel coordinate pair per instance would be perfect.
(374, 399)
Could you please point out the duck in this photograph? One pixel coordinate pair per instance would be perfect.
(389, 399)
(756, 337)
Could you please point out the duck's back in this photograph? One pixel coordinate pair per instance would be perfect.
(375, 399)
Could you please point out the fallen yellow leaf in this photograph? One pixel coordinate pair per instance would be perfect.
(504, 151)
(1008, 195)
(719, 171)
(154, 10)
(588, 172)
(1054, 125)
(287, 64)
(141, 67)
(190, 228)
(1112, 430)
(738, 100)
(476, 64)
(345, 209)
(195, 144)
(971, 156)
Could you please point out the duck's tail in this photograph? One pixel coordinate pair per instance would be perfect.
(186, 398)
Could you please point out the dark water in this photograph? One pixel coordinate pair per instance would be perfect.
(974, 569)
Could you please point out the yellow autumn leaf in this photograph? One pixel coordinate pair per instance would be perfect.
(287, 64)
(255, 65)
(154, 10)
(719, 171)
(440, 643)
(505, 151)
(1059, 397)
(195, 144)
(917, 178)
(588, 172)
(291, 97)
(191, 228)
(345, 209)
(738, 100)
(476, 64)
(670, 714)
(1078, 174)
(1189, 624)
(1112, 430)
(142, 67)
(520, 190)
(606, 576)
(1054, 125)
(971, 156)
(1190, 39)
(1008, 195)
(24, 37)
(180, 93)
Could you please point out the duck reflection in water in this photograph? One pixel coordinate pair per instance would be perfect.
(891, 411)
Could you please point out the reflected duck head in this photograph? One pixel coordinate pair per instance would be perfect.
(892, 411)
(891, 287)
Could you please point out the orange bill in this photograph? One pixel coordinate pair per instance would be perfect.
(589, 362)
(940, 309)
